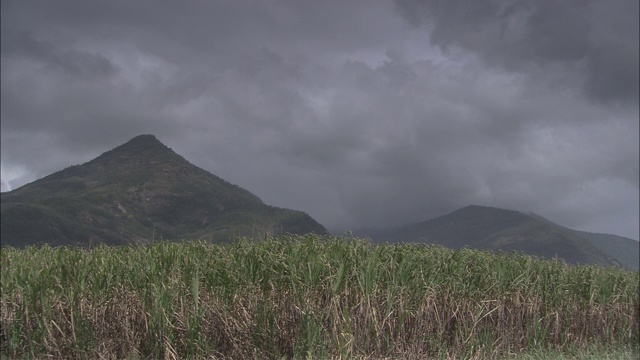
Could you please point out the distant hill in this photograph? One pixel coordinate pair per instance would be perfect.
(622, 249)
(139, 192)
(495, 229)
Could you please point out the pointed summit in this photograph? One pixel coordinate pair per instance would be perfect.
(138, 192)
(142, 146)
(142, 143)
(149, 138)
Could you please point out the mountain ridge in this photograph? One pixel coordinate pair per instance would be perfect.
(142, 190)
(495, 229)
(135, 192)
(624, 250)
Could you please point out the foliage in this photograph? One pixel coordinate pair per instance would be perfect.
(310, 296)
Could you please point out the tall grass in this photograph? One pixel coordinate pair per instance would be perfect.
(298, 297)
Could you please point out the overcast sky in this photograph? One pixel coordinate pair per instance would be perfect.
(360, 113)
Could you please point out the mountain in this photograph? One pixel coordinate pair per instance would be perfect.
(626, 251)
(494, 229)
(139, 192)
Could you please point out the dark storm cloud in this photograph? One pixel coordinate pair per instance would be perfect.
(596, 37)
(362, 113)
(84, 65)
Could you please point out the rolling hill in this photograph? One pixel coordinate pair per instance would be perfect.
(139, 192)
(143, 191)
(494, 229)
(624, 250)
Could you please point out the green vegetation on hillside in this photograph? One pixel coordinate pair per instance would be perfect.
(622, 250)
(138, 191)
(311, 296)
(494, 229)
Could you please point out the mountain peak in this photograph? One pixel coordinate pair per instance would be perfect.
(146, 142)
(141, 149)
(486, 211)
(145, 139)
(139, 191)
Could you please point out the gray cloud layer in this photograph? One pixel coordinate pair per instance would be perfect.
(362, 113)
(598, 39)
